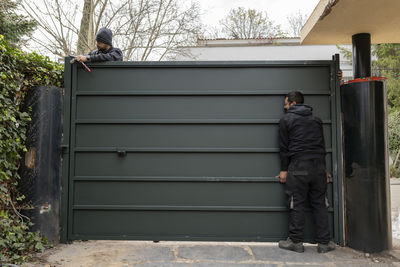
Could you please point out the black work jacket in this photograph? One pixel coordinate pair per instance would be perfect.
(300, 135)
(112, 54)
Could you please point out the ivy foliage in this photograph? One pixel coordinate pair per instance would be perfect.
(387, 64)
(394, 140)
(19, 73)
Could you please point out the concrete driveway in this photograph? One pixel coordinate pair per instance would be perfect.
(200, 254)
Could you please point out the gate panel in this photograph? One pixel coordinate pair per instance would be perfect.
(175, 193)
(183, 164)
(225, 225)
(180, 136)
(188, 107)
(205, 77)
(187, 151)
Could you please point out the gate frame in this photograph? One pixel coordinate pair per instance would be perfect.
(70, 72)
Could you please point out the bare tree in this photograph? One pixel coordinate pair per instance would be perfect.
(211, 32)
(85, 38)
(143, 29)
(155, 29)
(56, 20)
(249, 23)
(296, 22)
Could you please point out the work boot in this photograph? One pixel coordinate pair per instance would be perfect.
(290, 245)
(324, 248)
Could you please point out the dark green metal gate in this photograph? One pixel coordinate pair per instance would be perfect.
(187, 150)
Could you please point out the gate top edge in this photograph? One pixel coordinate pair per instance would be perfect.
(254, 63)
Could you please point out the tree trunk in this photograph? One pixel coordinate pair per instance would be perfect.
(86, 35)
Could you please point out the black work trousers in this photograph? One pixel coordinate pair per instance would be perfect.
(307, 180)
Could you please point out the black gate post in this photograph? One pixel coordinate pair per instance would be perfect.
(40, 173)
(361, 55)
(367, 195)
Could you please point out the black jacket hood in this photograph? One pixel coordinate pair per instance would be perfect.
(300, 109)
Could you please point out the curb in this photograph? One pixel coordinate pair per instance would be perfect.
(394, 181)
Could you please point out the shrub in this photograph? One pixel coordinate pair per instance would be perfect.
(19, 72)
(394, 141)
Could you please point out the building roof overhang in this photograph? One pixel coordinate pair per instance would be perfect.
(336, 21)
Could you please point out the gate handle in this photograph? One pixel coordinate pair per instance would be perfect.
(121, 153)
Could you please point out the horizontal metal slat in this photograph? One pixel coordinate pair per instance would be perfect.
(183, 121)
(178, 237)
(213, 64)
(175, 179)
(186, 93)
(184, 208)
(182, 150)
(178, 149)
(177, 208)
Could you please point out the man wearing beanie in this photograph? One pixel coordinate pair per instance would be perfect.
(105, 51)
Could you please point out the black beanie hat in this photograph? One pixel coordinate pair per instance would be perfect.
(104, 35)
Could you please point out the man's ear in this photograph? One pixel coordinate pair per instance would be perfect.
(293, 103)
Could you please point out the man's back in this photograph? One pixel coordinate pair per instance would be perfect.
(301, 134)
(113, 54)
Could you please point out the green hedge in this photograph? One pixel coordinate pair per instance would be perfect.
(394, 141)
(19, 73)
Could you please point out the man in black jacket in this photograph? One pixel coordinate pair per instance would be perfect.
(302, 153)
(105, 51)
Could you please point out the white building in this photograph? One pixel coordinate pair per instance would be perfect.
(265, 49)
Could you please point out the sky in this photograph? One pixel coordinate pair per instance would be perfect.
(277, 10)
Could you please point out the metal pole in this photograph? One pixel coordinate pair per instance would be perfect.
(361, 55)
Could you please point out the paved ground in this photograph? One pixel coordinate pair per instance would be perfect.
(201, 254)
(395, 194)
(395, 206)
(211, 254)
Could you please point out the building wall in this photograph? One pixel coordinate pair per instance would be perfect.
(222, 50)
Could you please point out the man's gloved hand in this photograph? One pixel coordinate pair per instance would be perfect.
(81, 58)
(282, 176)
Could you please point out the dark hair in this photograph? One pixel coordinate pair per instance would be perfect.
(295, 96)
